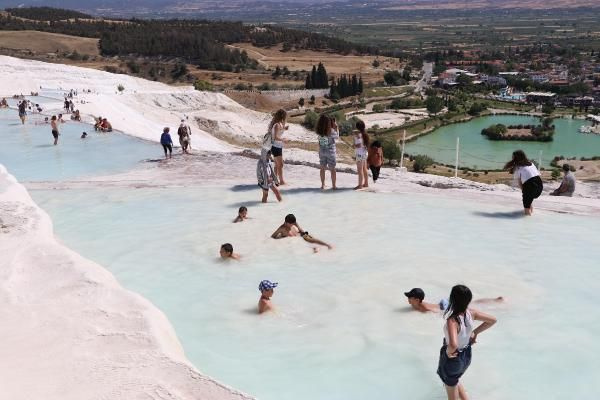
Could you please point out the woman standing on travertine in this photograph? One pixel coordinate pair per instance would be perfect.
(277, 128)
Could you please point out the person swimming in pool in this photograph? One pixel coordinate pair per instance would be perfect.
(242, 215)
(416, 296)
(226, 252)
(290, 228)
(266, 292)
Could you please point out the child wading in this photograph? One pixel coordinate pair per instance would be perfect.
(167, 142)
(375, 159)
(266, 292)
(267, 179)
(459, 335)
(361, 144)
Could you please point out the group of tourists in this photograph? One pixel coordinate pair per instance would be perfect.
(185, 140)
(102, 125)
(369, 155)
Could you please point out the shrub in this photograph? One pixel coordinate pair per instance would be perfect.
(391, 151)
(301, 102)
(203, 86)
(133, 67)
(264, 86)
(240, 86)
(555, 174)
(421, 162)
(345, 128)
(120, 88)
(378, 108)
(310, 119)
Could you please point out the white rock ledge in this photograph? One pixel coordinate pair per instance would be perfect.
(70, 331)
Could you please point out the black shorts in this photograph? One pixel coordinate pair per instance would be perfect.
(451, 369)
(167, 147)
(532, 189)
(55, 134)
(276, 151)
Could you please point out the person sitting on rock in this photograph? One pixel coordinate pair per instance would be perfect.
(567, 186)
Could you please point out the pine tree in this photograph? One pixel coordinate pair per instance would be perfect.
(360, 85)
(323, 80)
(308, 83)
(313, 78)
(354, 85)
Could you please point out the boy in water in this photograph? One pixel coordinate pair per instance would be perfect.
(54, 125)
(290, 228)
(266, 292)
(242, 215)
(226, 252)
(416, 296)
(265, 174)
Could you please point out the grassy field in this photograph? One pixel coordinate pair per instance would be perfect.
(334, 63)
(43, 42)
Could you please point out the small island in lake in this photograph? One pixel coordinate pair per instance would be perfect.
(534, 133)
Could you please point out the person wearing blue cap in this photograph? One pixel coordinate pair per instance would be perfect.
(266, 292)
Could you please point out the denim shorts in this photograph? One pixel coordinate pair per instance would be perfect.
(451, 369)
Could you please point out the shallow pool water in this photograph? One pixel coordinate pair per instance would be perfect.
(28, 151)
(477, 151)
(343, 330)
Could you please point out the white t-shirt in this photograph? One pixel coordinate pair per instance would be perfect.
(526, 173)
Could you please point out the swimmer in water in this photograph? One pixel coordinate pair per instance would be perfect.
(266, 292)
(242, 215)
(416, 296)
(290, 228)
(226, 252)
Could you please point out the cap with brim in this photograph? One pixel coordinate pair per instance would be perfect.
(417, 293)
(267, 285)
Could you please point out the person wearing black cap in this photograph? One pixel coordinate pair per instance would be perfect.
(417, 295)
(415, 299)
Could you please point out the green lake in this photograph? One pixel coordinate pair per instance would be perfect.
(476, 151)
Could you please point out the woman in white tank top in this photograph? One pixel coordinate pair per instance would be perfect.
(460, 334)
(528, 177)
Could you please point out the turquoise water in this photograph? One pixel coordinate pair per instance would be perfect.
(343, 330)
(477, 151)
(28, 153)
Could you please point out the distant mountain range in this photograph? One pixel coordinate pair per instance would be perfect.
(231, 9)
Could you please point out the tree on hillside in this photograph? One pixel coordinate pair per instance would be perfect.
(393, 78)
(308, 84)
(434, 104)
(322, 78)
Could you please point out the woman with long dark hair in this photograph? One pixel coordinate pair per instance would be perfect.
(328, 131)
(459, 335)
(277, 128)
(361, 146)
(529, 179)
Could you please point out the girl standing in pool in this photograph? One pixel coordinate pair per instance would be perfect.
(529, 179)
(459, 336)
(277, 128)
(361, 144)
